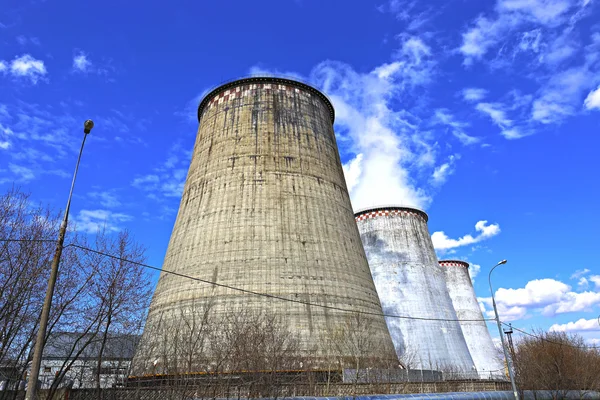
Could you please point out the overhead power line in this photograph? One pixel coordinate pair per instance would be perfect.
(271, 296)
(548, 340)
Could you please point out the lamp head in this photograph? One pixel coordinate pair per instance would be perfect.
(87, 126)
(502, 262)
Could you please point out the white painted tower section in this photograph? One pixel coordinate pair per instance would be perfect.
(411, 283)
(472, 324)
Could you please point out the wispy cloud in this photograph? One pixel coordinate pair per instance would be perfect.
(24, 40)
(23, 174)
(166, 180)
(106, 199)
(579, 273)
(442, 242)
(474, 94)
(562, 95)
(82, 64)
(443, 171)
(544, 36)
(444, 117)
(92, 221)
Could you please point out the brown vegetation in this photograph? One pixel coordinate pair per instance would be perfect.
(558, 362)
(95, 296)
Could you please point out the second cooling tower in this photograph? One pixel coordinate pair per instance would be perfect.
(412, 289)
(473, 326)
(265, 214)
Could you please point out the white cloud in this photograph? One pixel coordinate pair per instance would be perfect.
(81, 63)
(106, 199)
(474, 94)
(558, 99)
(480, 38)
(544, 12)
(496, 113)
(442, 242)
(474, 270)
(506, 313)
(442, 172)
(92, 221)
(26, 67)
(543, 31)
(579, 273)
(583, 283)
(24, 40)
(352, 171)
(596, 280)
(168, 179)
(536, 293)
(548, 297)
(369, 123)
(510, 16)
(592, 101)
(24, 174)
(573, 302)
(443, 116)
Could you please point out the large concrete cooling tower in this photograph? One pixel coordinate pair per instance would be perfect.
(265, 209)
(474, 328)
(411, 283)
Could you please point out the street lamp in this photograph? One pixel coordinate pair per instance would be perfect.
(41, 335)
(508, 363)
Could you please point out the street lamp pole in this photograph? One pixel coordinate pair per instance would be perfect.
(41, 334)
(508, 362)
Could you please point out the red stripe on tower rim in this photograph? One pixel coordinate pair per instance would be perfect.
(387, 211)
(454, 263)
(274, 81)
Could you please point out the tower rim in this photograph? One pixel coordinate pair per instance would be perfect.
(265, 79)
(362, 211)
(459, 262)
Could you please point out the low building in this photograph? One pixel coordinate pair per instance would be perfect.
(78, 354)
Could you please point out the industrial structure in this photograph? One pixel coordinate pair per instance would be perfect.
(265, 214)
(471, 319)
(412, 289)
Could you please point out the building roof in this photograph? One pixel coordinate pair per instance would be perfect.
(63, 345)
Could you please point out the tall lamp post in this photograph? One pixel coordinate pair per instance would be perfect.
(41, 335)
(508, 362)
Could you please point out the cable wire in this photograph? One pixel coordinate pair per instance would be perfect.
(293, 300)
(547, 340)
(271, 296)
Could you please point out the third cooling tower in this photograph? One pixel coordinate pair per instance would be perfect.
(412, 289)
(265, 214)
(473, 326)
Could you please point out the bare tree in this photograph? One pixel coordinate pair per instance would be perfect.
(358, 351)
(558, 362)
(95, 296)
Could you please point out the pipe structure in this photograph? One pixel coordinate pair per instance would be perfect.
(411, 283)
(471, 319)
(265, 209)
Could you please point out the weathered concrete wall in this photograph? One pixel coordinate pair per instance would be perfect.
(473, 327)
(265, 208)
(410, 282)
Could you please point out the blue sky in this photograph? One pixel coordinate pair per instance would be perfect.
(484, 113)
